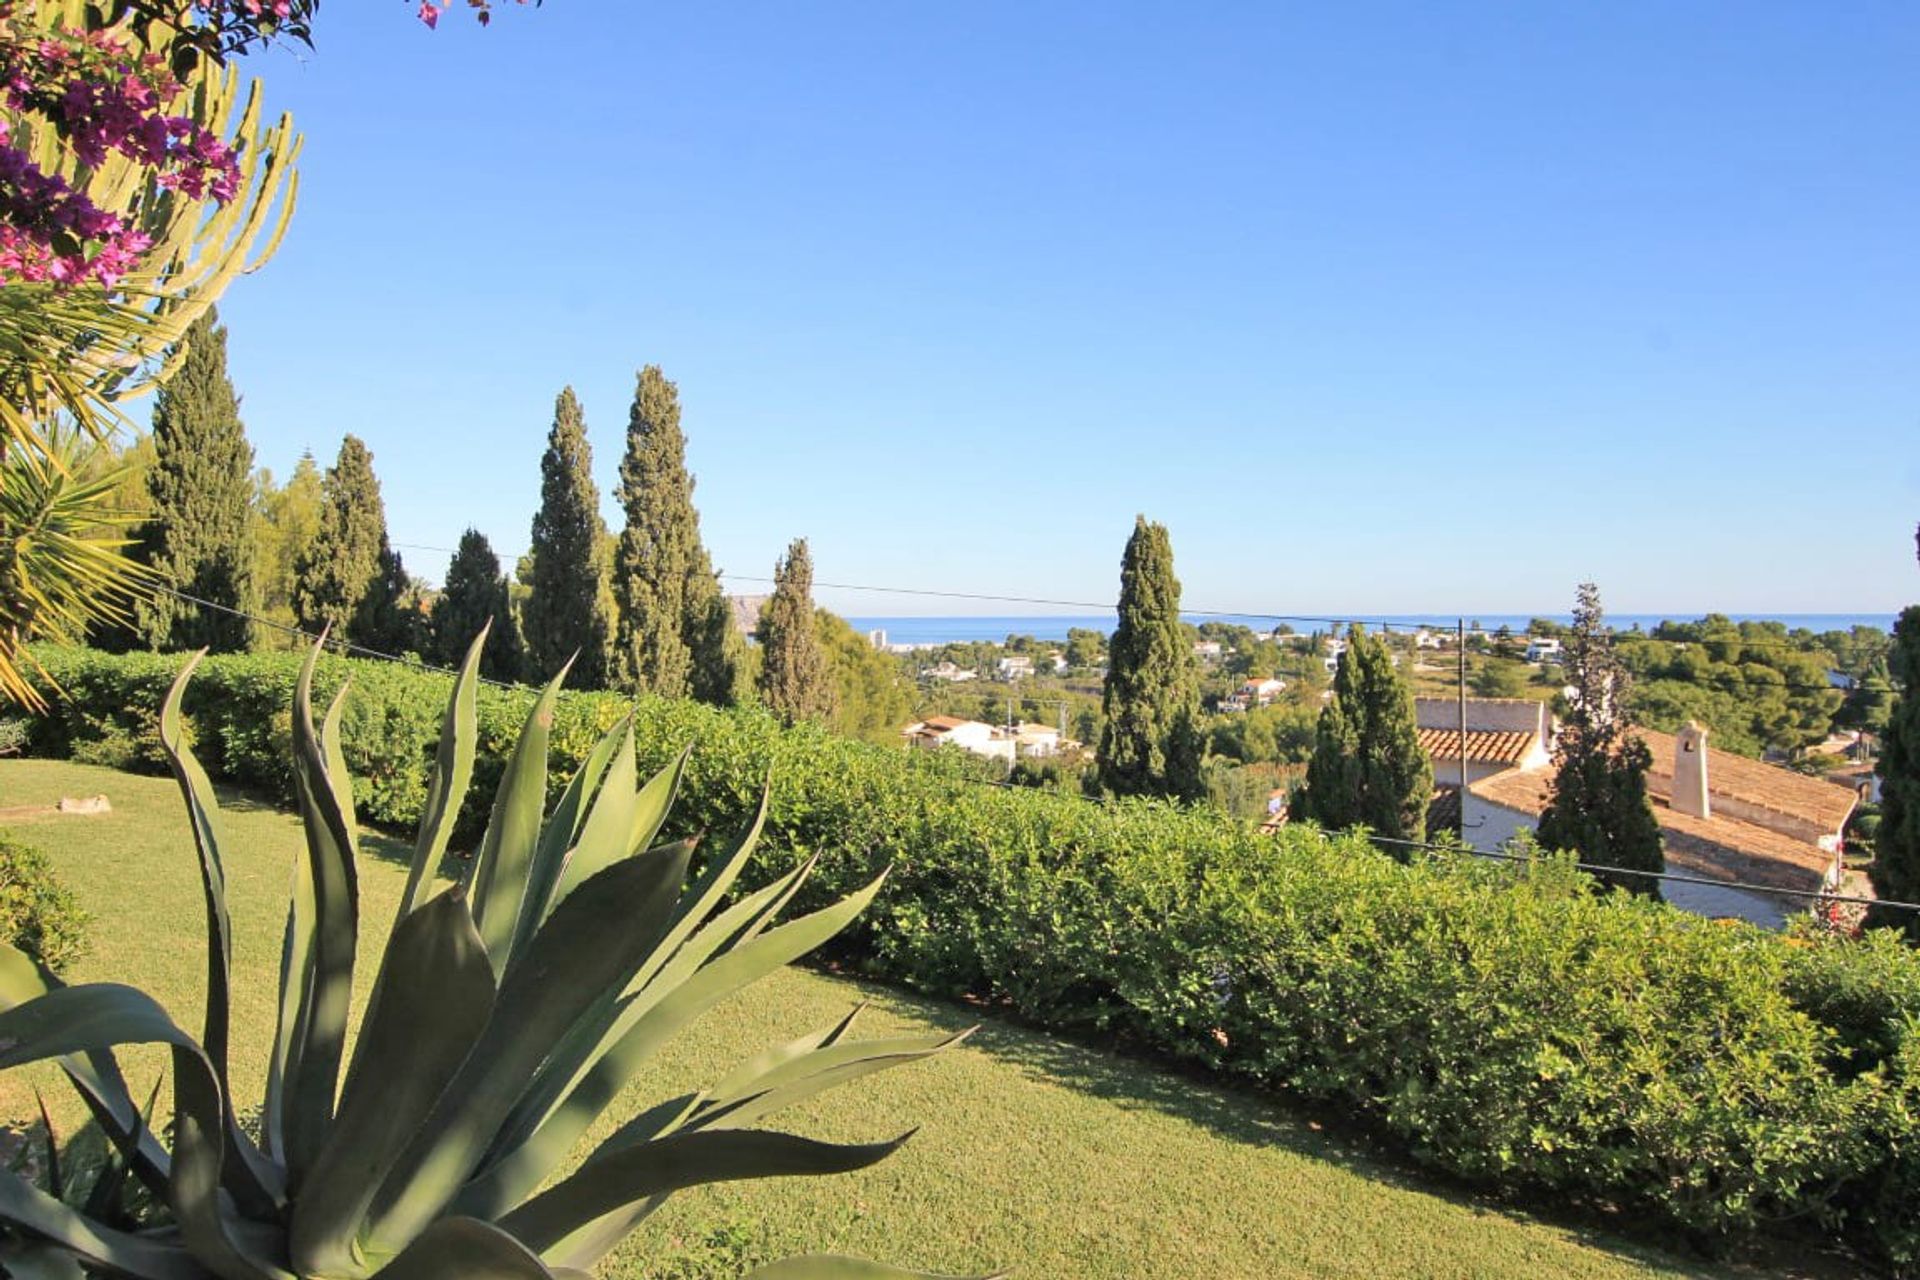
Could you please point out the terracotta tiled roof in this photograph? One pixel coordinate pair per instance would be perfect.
(1443, 812)
(1720, 847)
(1522, 790)
(1751, 782)
(1483, 745)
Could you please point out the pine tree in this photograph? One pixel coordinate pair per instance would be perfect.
(1151, 743)
(285, 519)
(568, 607)
(474, 594)
(1367, 766)
(795, 680)
(1599, 807)
(1896, 858)
(201, 484)
(663, 582)
(349, 551)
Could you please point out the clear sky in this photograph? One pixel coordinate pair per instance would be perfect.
(1397, 307)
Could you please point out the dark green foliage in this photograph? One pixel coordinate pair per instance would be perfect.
(1367, 768)
(795, 682)
(474, 595)
(722, 669)
(1599, 808)
(1151, 743)
(201, 485)
(333, 574)
(37, 914)
(568, 610)
(1896, 861)
(1755, 684)
(1511, 1029)
(388, 618)
(873, 699)
(663, 583)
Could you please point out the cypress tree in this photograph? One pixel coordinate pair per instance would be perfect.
(1599, 807)
(1896, 858)
(349, 552)
(475, 593)
(388, 618)
(719, 650)
(201, 485)
(1151, 742)
(795, 680)
(568, 608)
(663, 582)
(1367, 767)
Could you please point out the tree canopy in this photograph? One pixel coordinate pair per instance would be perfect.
(1367, 767)
(1150, 744)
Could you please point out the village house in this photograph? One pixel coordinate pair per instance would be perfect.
(1015, 666)
(1037, 740)
(1722, 817)
(1543, 649)
(948, 671)
(1208, 650)
(969, 735)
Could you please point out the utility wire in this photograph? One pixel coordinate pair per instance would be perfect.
(1594, 868)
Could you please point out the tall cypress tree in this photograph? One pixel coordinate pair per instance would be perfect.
(663, 582)
(388, 618)
(795, 679)
(1896, 857)
(1600, 807)
(201, 484)
(1151, 743)
(349, 552)
(567, 610)
(1367, 766)
(719, 650)
(474, 594)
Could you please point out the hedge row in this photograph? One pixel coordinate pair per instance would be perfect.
(1514, 1030)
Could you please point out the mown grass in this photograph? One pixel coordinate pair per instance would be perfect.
(1036, 1154)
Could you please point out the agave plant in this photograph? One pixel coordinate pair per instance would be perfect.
(508, 1012)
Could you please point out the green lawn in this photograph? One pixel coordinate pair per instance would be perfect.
(1035, 1154)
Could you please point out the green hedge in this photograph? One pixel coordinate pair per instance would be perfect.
(38, 914)
(1513, 1030)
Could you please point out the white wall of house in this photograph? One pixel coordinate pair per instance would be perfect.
(1486, 825)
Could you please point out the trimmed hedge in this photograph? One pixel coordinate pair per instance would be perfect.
(1512, 1029)
(37, 913)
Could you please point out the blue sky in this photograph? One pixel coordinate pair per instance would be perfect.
(1397, 307)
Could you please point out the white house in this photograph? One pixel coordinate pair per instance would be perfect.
(1260, 691)
(948, 671)
(1015, 666)
(1036, 740)
(1543, 649)
(1208, 650)
(1502, 734)
(969, 735)
(1722, 817)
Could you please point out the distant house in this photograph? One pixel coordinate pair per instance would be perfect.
(1502, 734)
(1722, 817)
(1425, 639)
(1015, 666)
(1208, 650)
(1036, 740)
(969, 735)
(1057, 660)
(948, 671)
(1259, 692)
(1543, 649)
(1334, 646)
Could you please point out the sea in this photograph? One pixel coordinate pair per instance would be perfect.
(1054, 626)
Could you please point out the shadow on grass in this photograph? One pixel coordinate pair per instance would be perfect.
(1311, 1130)
(374, 842)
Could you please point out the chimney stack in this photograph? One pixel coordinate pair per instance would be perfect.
(1690, 771)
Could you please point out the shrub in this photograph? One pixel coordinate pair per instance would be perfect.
(1507, 1027)
(37, 914)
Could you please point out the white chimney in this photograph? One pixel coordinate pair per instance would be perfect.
(1690, 771)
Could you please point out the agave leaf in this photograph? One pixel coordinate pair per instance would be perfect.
(699, 902)
(104, 1202)
(603, 837)
(39, 1262)
(827, 1068)
(525, 1166)
(499, 872)
(296, 975)
(674, 1162)
(254, 1182)
(563, 827)
(739, 1081)
(823, 1266)
(421, 1025)
(452, 773)
(592, 944)
(24, 1205)
(95, 1076)
(584, 1246)
(86, 1019)
(326, 809)
(54, 1185)
(468, 1249)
